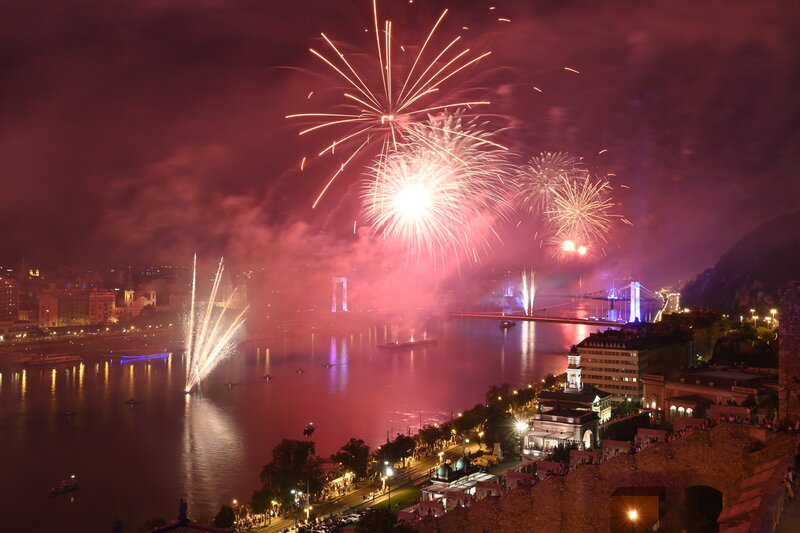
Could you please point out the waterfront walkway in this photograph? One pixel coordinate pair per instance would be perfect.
(413, 475)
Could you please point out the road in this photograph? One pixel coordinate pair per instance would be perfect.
(411, 475)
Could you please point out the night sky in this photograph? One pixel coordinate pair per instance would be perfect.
(137, 132)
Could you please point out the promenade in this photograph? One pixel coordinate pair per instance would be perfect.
(413, 475)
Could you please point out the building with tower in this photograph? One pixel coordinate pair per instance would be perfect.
(577, 394)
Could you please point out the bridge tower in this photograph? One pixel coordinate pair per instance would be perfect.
(612, 300)
(335, 289)
(636, 290)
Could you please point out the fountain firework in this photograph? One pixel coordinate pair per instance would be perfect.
(209, 333)
(528, 293)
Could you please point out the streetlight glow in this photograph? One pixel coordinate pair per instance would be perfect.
(633, 515)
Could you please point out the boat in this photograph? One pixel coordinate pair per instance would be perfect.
(300, 371)
(396, 345)
(65, 485)
(507, 324)
(267, 377)
(309, 429)
(54, 359)
(132, 402)
(144, 357)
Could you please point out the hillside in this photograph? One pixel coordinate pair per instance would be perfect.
(753, 273)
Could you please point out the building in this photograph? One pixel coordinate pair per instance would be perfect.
(75, 307)
(101, 307)
(691, 392)
(561, 426)
(616, 360)
(47, 302)
(576, 394)
(9, 300)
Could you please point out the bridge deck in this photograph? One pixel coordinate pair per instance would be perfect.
(560, 320)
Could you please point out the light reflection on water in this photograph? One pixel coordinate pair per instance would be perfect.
(211, 442)
(136, 461)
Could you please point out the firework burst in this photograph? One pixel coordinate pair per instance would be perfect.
(544, 176)
(387, 107)
(581, 215)
(442, 194)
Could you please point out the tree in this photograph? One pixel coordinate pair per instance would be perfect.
(225, 517)
(550, 382)
(294, 465)
(498, 393)
(260, 501)
(381, 520)
(354, 456)
(429, 435)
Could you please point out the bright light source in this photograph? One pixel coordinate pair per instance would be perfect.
(633, 515)
(522, 425)
(582, 250)
(568, 246)
(412, 201)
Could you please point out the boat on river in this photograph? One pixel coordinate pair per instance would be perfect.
(54, 359)
(396, 345)
(65, 485)
(507, 324)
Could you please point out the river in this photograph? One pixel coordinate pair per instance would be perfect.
(136, 461)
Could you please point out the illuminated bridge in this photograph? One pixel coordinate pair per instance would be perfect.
(616, 305)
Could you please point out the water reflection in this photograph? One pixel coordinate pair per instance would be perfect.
(337, 365)
(212, 448)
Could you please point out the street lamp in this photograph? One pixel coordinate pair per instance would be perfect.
(389, 472)
(633, 515)
(308, 512)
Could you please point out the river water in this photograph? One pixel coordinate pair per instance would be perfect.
(136, 462)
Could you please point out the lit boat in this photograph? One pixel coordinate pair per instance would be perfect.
(396, 345)
(309, 429)
(54, 359)
(65, 485)
(507, 324)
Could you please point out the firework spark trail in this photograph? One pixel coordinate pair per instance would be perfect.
(440, 194)
(208, 345)
(375, 110)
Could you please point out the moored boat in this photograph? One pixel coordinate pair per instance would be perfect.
(54, 359)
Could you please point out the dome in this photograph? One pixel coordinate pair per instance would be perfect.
(444, 471)
(461, 464)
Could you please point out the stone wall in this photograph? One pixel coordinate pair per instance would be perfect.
(719, 458)
(789, 354)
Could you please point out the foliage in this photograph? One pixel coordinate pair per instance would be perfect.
(294, 466)
(225, 517)
(550, 382)
(354, 456)
(399, 449)
(261, 500)
(498, 393)
(429, 435)
(381, 520)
